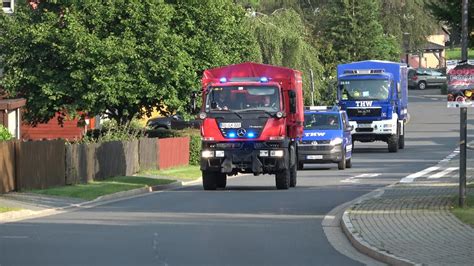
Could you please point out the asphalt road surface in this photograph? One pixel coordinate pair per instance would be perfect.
(249, 223)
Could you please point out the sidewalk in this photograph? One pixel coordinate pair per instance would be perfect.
(410, 223)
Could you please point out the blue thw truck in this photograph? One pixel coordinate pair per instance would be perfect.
(375, 96)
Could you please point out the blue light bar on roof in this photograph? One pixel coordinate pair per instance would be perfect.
(223, 80)
(263, 79)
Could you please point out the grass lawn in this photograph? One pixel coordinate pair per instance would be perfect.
(466, 214)
(455, 54)
(190, 172)
(96, 189)
(8, 209)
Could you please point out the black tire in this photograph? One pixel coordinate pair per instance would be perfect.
(341, 165)
(282, 179)
(221, 180)
(300, 166)
(401, 140)
(349, 163)
(209, 180)
(393, 143)
(293, 176)
(421, 85)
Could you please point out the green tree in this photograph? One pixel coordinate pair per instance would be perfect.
(450, 12)
(114, 57)
(217, 32)
(354, 30)
(407, 21)
(283, 40)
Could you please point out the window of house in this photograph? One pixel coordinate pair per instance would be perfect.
(7, 5)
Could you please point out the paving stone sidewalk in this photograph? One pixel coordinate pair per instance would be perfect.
(412, 223)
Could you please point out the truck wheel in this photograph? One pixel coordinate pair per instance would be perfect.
(221, 180)
(401, 140)
(209, 180)
(392, 143)
(349, 163)
(341, 165)
(282, 179)
(421, 85)
(293, 175)
(300, 166)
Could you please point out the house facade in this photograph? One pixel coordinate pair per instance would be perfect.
(432, 54)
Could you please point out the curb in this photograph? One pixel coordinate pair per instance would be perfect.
(15, 216)
(363, 246)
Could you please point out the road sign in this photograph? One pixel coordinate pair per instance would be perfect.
(461, 86)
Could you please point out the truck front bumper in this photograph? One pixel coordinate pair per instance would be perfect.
(319, 153)
(245, 157)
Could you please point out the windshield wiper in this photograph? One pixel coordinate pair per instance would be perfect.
(260, 110)
(227, 111)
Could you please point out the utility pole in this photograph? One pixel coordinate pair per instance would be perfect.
(463, 114)
(312, 87)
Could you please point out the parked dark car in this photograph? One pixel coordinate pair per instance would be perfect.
(172, 122)
(421, 78)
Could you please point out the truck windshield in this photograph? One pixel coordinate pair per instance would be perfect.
(368, 89)
(242, 98)
(321, 121)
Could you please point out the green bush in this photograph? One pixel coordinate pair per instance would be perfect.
(195, 150)
(194, 144)
(110, 131)
(5, 134)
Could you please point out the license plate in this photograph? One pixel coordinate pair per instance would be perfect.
(231, 125)
(314, 157)
(364, 125)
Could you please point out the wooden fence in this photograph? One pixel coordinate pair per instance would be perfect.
(7, 166)
(44, 164)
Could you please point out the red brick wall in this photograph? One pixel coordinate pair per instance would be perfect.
(173, 152)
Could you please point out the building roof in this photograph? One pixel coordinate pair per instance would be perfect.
(10, 104)
(430, 47)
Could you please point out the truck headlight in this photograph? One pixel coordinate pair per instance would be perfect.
(276, 153)
(220, 154)
(263, 153)
(336, 141)
(207, 154)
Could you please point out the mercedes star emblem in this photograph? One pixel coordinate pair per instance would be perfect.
(241, 132)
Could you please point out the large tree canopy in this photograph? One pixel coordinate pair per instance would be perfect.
(117, 57)
(355, 32)
(450, 12)
(284, 40)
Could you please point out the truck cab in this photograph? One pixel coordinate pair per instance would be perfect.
(252, 116)
(326, 137)
(375, 96)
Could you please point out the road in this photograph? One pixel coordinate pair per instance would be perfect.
(250, 223)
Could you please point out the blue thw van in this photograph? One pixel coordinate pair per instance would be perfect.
(326, 137)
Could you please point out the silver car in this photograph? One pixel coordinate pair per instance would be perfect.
(422, 78)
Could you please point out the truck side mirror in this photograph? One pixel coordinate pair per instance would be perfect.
(292, 96)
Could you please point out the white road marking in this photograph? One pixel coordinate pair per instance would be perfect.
(412, 177)
(354, 179)
(443, 173)
(442, 163)
(14, 237)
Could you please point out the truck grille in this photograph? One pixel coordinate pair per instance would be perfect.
(363, 112)
(316, 148)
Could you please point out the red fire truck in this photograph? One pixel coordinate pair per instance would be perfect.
(252, 118)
